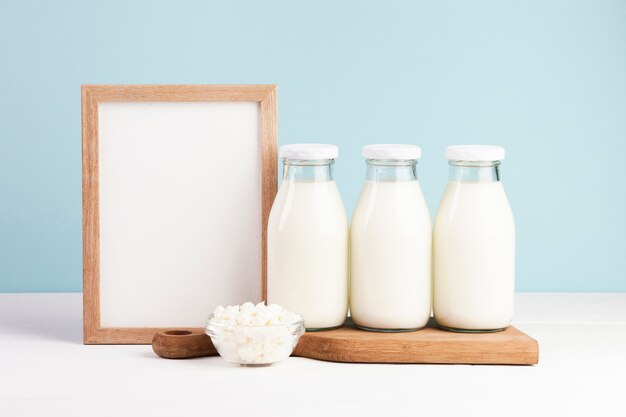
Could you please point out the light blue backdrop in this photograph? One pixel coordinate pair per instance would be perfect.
(545, 79)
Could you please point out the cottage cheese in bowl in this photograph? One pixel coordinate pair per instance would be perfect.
(254, 335)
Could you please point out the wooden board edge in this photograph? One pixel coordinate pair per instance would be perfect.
(523, 351)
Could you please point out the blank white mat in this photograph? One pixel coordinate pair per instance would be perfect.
(180, 211)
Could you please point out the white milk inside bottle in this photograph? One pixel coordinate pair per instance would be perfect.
(474, 244)
(390, 244)
(307, 239)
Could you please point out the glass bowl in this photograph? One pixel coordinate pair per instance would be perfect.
(250, 345)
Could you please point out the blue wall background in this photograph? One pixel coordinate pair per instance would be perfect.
(545, 79)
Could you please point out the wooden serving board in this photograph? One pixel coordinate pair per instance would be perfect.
(429, 345)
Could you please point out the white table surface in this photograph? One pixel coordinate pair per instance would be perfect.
(45, 370)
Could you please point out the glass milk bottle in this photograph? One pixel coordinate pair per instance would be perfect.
(307, 239)
(474, 244)
(390, 244)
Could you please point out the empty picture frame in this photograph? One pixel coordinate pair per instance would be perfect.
(178, 182)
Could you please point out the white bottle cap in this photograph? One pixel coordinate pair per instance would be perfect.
(384, 151)
(308, 151)
(474, 153)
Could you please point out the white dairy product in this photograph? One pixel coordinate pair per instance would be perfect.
(307, 252)
(474, 257)
(254, 334)
(390, 246)
(249, 314)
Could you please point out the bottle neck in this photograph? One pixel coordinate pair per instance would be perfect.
(308, 170)
(472, 171)
(391, 170)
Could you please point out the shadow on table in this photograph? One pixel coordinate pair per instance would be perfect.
(69, 331)
(214, 361)
(42, 316)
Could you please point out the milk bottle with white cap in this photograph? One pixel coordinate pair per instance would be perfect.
(307, 239)
(474, 244)
(390, 244)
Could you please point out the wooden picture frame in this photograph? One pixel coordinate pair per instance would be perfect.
(108, 110)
